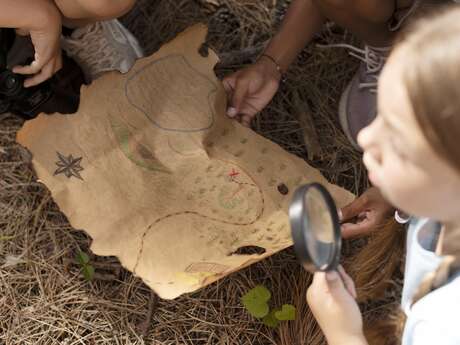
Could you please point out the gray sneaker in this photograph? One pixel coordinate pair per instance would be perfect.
(101, 47)
(358, 104)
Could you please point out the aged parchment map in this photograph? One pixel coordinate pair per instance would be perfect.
(153, 170)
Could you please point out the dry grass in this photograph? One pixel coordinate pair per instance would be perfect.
(44, 299)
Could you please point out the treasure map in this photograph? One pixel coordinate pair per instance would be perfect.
(157, 175)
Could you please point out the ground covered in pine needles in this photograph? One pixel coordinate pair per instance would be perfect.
(45, 300)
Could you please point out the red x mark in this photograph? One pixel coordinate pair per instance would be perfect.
(233, 173)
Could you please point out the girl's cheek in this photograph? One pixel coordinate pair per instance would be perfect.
(383, 166)
(397, 176)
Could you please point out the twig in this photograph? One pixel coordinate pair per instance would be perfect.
(144, 326)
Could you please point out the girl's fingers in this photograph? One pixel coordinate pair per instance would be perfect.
(361, 228)
(34, 68)
(239, 93)
(232, 112)
(229, 84)
(58, 63)
(348, 282)
(246, 120)
(46, 73)
(354, 208)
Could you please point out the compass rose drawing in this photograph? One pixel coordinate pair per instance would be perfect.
(68, 166)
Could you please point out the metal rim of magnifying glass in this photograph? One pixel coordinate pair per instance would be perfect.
(299, 225)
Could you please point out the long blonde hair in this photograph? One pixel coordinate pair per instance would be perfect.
(432, 45)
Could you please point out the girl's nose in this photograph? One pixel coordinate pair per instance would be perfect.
(367, 136)
(368, 139)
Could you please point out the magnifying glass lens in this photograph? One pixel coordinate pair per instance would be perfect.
(320, 230)
(315, 228)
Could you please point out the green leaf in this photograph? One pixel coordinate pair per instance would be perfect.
(270, 320)
(256, 301)
(286, 313)
(88, 272)
(82, 258)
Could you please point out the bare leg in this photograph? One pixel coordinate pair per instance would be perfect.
(81, 12)
(366, 19)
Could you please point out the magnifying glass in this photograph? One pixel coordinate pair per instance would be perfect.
(315, 228)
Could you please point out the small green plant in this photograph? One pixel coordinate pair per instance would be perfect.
(85, 266)
(287, 313)
(256, 301)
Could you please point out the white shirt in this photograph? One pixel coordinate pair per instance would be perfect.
(435, 318)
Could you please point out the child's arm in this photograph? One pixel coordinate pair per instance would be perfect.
(331, 297)
(252, 88)
(302, 21)
(42, 20)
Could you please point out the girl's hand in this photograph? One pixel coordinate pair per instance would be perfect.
(331, 298)
(370, 212)
(249, 90)
(45, 33)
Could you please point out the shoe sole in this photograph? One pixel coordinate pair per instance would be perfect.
(343, 117)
